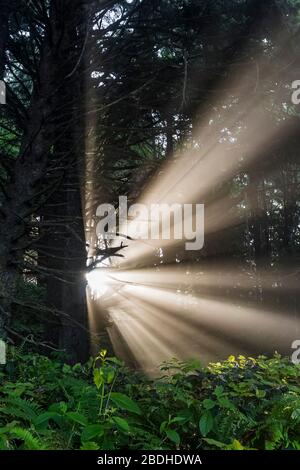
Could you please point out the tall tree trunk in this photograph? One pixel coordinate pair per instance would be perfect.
(7, 274)
(74, 325)
(60, 52)
(66, 291)
(65, 260)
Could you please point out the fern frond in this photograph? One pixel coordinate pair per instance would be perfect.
(30, 442)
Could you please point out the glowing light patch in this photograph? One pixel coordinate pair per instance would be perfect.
(98, 282)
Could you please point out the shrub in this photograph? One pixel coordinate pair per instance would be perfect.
(241, 403)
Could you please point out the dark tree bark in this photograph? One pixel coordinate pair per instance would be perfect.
(57, 72)
(66, 289)
(65, 258)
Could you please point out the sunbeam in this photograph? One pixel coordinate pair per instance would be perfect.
(162, 301)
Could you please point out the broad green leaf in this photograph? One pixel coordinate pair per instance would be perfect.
(110, 375)
(124, 402)
(98, 378)
(173, 436)
(92, 431)
(206, 423)
(163, 426)
(208, 404)
(45, 417)
(223, 401)
(178, 419)
(121, 423)
(77, 418)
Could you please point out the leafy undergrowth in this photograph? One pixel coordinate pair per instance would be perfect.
(238, 404)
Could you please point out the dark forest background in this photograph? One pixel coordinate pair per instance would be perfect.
(99, 95)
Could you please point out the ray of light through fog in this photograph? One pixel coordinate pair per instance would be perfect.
(208, 310)
(159, 317)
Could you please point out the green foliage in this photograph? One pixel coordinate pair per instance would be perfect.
(241, 403)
